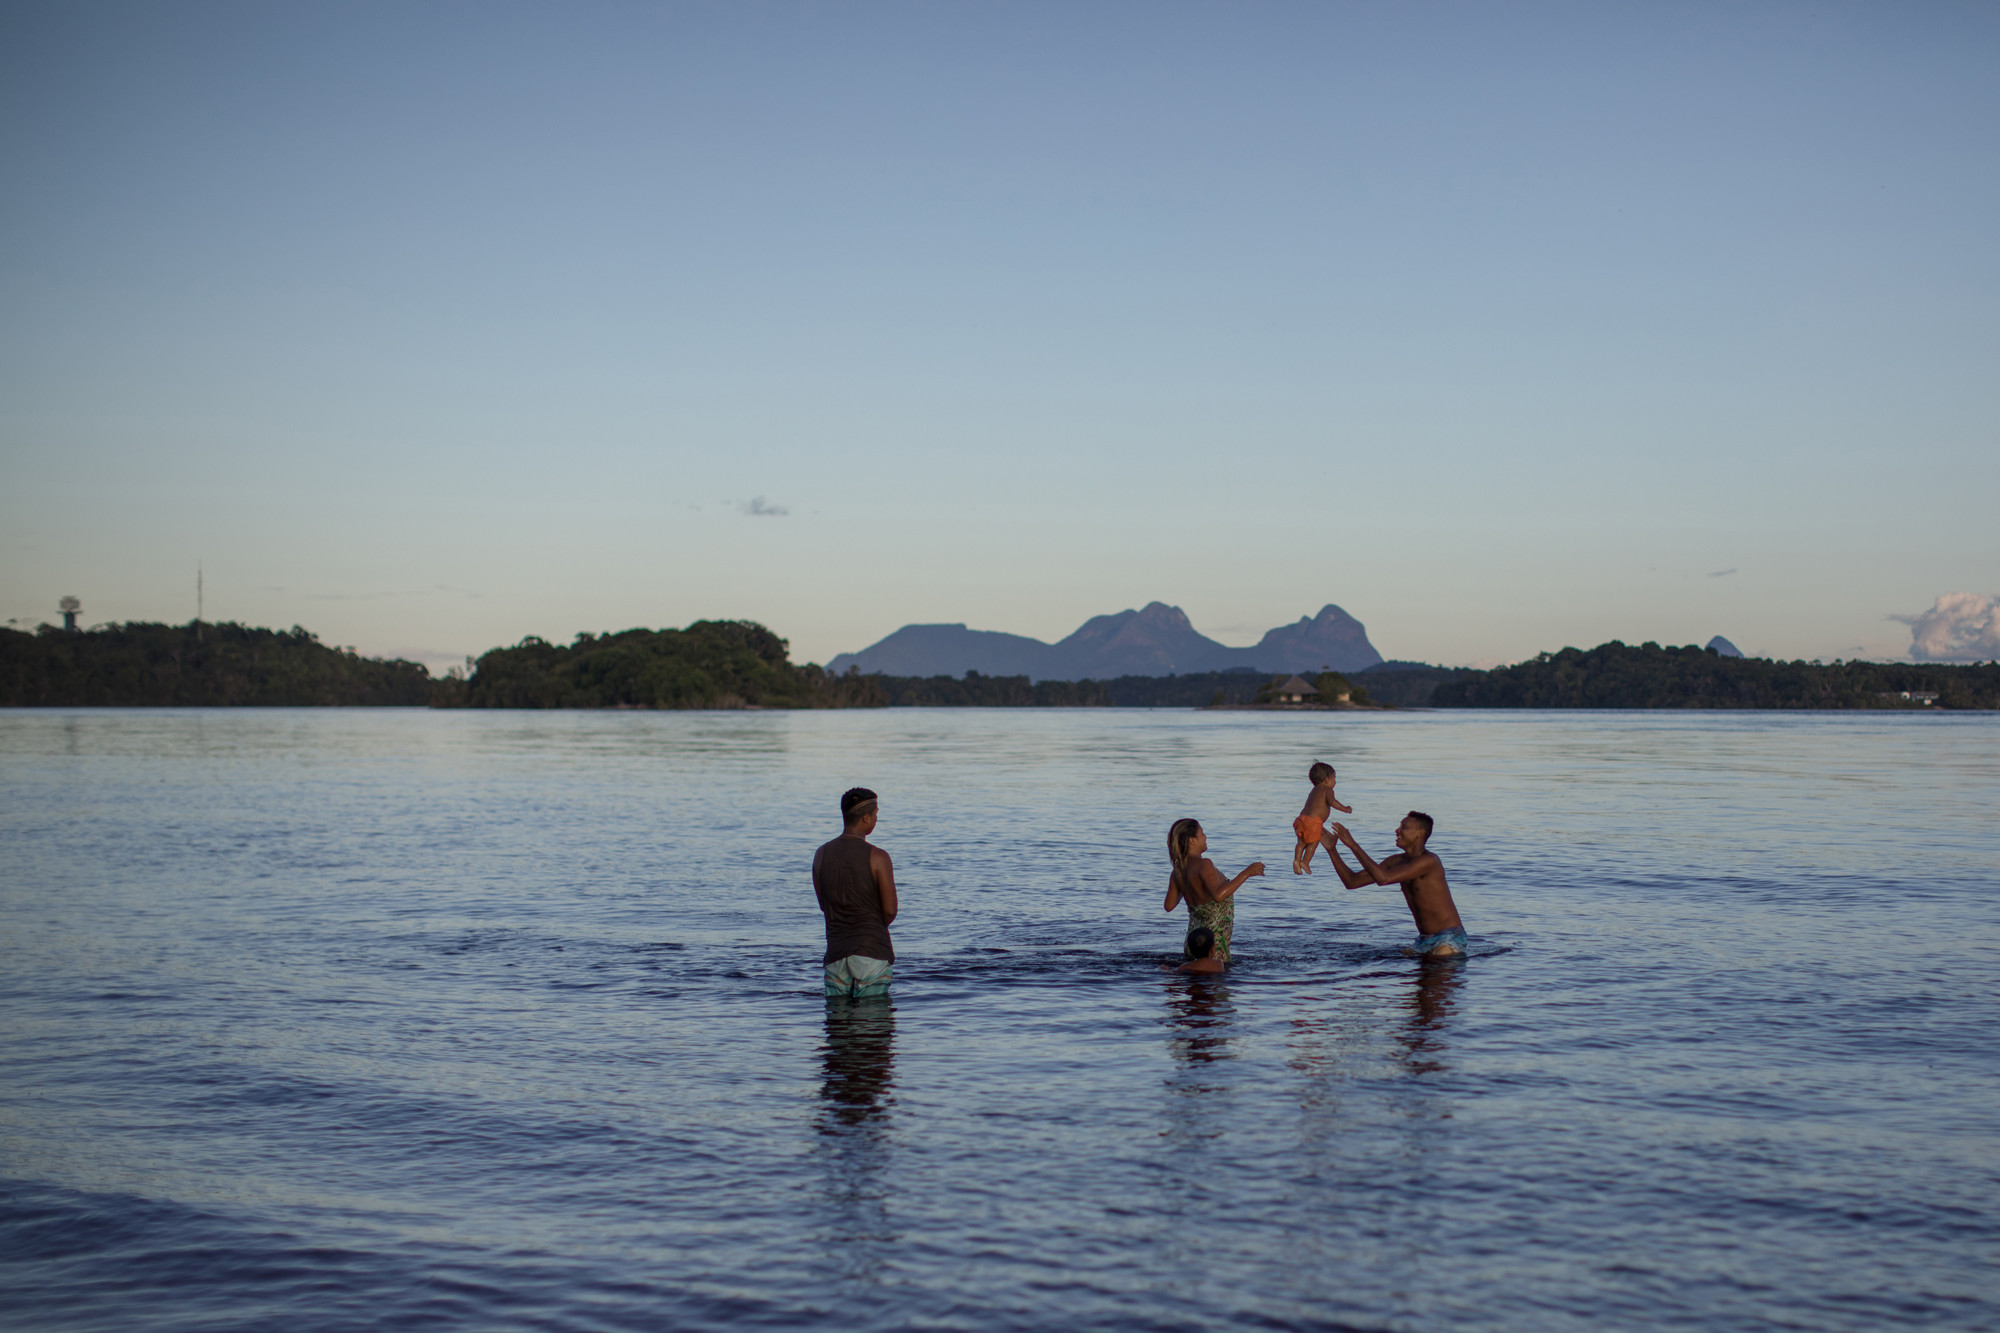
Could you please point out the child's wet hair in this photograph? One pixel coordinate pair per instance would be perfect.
(1319, 772)
(1200, 942)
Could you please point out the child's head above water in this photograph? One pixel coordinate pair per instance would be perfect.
(1200, 942)
(1319, 773)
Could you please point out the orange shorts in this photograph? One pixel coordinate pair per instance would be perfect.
(1310, 830)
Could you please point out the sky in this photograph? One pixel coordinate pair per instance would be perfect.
(1506, 327)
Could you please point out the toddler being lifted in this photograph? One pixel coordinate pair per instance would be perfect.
(1311, 823)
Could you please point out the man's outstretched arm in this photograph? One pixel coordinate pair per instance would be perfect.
(1347, 877)
(1398, 869)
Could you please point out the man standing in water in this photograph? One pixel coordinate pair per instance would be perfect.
(1440, 933)
(856, 888)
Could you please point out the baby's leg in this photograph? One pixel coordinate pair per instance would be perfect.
(1302, 857)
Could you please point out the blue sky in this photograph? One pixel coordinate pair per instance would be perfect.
(1504, 326)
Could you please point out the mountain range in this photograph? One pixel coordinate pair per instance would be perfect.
(1155, 641)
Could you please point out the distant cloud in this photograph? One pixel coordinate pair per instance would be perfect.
(1723, 573)
(760, 508)
(1959, 627)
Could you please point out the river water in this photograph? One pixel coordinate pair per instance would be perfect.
(360, 1019)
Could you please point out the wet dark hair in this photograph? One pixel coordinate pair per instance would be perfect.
(1318, 771)
(1421, 818)
(1178, 838)
(852, 798)
(1200, 942)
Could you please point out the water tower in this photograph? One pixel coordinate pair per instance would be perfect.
(69, 606)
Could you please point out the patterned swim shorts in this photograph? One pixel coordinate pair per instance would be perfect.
(857, 975)
(1444, 944)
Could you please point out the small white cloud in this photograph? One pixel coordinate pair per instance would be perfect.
(759, 507)
(1959, 627)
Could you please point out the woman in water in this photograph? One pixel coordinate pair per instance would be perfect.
(1210, 898)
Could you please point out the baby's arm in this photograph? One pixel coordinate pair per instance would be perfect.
(1334, 801)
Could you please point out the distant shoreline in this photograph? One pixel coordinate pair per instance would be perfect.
(739, 664)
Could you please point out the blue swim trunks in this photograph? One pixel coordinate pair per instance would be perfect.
(1444, 943)
(859, 976)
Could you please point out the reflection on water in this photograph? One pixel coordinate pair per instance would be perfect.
(1199, 1013)
(1429, 1009)
(1345, 1027)
(858, 1064)
(1373, 1128)
(1200, 1022)
(857, 1082)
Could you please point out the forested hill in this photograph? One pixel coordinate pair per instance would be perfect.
(710, 664)
(148, 665)
(1614, 675)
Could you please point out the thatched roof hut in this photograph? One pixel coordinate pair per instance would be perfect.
(1297, 690)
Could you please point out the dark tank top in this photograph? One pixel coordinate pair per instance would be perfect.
(845, 883)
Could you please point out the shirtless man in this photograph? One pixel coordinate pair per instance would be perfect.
(1440, 933)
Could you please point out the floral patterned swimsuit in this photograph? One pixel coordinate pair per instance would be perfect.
(1218, 917)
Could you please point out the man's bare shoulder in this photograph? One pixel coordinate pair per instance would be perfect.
(877, 856)
(1423, 864)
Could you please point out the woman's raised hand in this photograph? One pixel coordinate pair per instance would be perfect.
(1224, 890)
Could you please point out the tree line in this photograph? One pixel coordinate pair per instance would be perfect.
(196, 665)
(741, 664)
(1616, 675)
